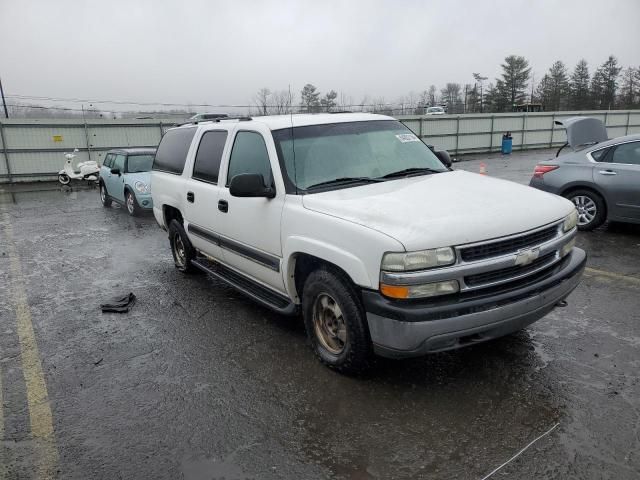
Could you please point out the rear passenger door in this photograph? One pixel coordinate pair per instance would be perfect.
(619, 176)
(203, 192)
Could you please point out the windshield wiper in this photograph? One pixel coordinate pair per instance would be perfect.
(338, 181)
(411, 171)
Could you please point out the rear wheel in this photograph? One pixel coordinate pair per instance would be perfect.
(335, 321)
(104, 196)
(181, 248)
(591, 208)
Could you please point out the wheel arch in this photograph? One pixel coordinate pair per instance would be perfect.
(306, 255)
(573, 187)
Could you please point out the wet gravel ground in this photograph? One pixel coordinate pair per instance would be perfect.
(197, 382)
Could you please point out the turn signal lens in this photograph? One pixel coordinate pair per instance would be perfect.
(420, 291)
(567, 248)
(540, 170)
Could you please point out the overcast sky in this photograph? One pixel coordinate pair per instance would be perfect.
(222, 52)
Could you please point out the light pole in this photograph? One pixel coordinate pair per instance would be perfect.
(4, 103)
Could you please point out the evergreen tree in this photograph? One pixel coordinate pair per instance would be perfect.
(606, 87)
(515, 75)
(579, 87)
(554, 88)
(310, 98)
(630, 88)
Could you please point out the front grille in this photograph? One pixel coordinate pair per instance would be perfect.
(504, 273)
(511, 245)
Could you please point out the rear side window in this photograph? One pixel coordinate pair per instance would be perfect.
(600, 155)
(172, 151)
(628, 153)
(249, 155)
(209, 155)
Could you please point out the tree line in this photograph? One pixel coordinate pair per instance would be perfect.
(609, 87)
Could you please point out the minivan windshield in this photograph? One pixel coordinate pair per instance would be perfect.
(139, 163)
(338, 155)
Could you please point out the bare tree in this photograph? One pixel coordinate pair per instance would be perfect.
(261, 100)
(280, 102)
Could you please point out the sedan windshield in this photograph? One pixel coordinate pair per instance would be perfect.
(139, 163)
(340, 155)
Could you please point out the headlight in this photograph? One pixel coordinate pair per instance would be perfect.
(141, 187)
(407, 261)
(570, 221)
(420, 291)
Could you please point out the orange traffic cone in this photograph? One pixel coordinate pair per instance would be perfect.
(483, 168)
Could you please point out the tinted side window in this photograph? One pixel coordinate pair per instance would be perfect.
(118, 162)
(108, 160)
(627, 153)
(172, 151)
(600, 155)
(209, 156)
(249, 155)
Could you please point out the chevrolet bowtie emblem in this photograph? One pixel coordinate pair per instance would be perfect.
(526, 256)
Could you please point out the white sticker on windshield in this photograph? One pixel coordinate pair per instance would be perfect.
(407, 137)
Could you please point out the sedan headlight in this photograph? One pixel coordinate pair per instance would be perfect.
(420, 260)
(570, 221)
(141, 187)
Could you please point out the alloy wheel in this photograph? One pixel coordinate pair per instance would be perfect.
(587, 209)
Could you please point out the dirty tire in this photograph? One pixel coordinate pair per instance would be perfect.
(181, 248)
(131, 204)
(104, 196)
(582, 196)
(356, 353)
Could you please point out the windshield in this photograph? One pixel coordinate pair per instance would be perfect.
(139, 163)
(362, 150)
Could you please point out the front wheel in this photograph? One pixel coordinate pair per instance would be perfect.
(64, 179)
(132, 204)
(591, 209)
(181, 248)
(335, 321)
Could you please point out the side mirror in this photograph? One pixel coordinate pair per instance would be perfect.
(250, 185)
(115, 171)
(444, 157)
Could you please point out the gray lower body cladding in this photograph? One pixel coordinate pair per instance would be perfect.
(413, 329)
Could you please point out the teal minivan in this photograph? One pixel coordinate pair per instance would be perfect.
(125, 178)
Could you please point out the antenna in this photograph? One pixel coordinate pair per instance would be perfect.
(293, 141)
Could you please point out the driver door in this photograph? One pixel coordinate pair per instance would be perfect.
(113, 182)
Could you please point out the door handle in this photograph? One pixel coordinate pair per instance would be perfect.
(190, 197)
(607, 172)
(223, 206)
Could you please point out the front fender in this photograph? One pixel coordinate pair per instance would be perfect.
(347, 261)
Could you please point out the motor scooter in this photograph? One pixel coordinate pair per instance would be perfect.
(85, 170)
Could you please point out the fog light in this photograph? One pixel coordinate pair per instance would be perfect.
(567, 247)
(420, 291)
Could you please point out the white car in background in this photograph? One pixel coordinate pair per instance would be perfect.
(435, 111)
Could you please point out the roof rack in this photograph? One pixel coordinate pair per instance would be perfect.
(217, 120)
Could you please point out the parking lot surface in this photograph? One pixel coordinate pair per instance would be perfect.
(197, 382)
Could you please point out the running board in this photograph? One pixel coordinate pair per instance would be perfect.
(259, 293)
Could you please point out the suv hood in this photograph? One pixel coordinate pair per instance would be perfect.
(583, 131)
(444, 209)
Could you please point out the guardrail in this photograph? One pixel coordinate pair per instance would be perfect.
(33, 149)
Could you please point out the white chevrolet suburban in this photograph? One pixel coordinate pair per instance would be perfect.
(352, 221)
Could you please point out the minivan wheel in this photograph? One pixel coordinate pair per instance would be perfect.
(181, 248)
(591, 209)
(104, 196)
(335, 322)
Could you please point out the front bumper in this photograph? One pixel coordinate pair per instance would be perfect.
(144, 200)
(408, 329)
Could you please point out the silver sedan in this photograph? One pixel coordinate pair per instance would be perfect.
(600, 176)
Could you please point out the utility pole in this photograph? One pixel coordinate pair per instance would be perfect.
(4, 103)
